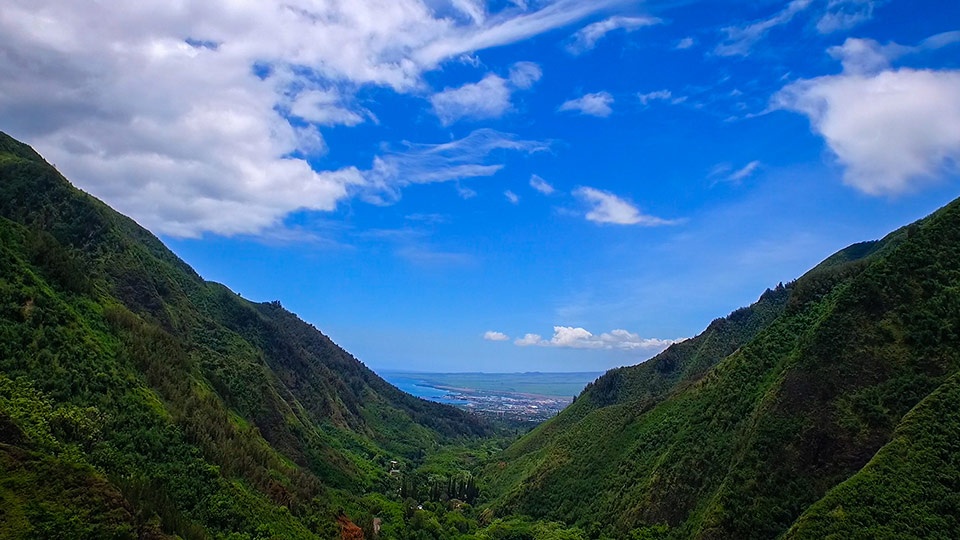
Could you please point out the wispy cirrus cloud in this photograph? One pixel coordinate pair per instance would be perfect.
(587, 37)
(508, 28)
(417, 163)
(845, 14)
(744, 172)
(541, 185)
(740, 39)
(726, 173)
(596, 104)
(646, 98)
(607, 208)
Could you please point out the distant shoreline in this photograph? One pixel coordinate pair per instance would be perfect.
(528, 385)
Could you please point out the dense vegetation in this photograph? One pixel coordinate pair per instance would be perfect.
(153, 403)
(740, 431)
(139, 401)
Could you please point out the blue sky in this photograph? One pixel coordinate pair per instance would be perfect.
(497, 186)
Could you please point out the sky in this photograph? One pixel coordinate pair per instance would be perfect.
(503, 185)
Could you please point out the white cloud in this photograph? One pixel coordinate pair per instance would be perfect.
(608, 208)
(596, 104)
(740, 39)
(429, 218)
(845, 14)
(685, 43)
(587, 37)
(938, 41)
(580, 338)
(745, 172)
(658, 95)
(474, 9)
(865, 55)
(489, 98)
(461, 159)
(524, 74)
(528, 340)
(490, 335)
(176, 113)
(868, 56)
(541, 185)
(465, 193)
(512, 197)
(502, 30)
(324, 107)
(891, 129)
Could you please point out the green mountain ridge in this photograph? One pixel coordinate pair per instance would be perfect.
(740, 431)
(167, 405)
(139, 401)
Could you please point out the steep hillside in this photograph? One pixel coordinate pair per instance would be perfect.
(156, 403)
(639, 387)
(737, 437)
(910, 489)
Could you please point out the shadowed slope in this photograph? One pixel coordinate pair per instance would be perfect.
(205, 412)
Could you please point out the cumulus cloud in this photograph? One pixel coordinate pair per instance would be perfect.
(490, 335)
(541, 185)
(606, 207)
(489, 98)
(596, 104)
(528, 340)
(178, 114)
(740, 39)
(580, 338)
(587, 37)
(891, 129)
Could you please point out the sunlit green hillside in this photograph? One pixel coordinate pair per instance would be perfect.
(806, 395)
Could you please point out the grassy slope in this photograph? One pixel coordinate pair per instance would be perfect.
(206, 412)
(799, 408)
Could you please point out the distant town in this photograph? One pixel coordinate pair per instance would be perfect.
(514, 397)
(522, 407)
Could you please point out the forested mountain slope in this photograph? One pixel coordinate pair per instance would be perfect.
(138, 400)
(740, 431)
